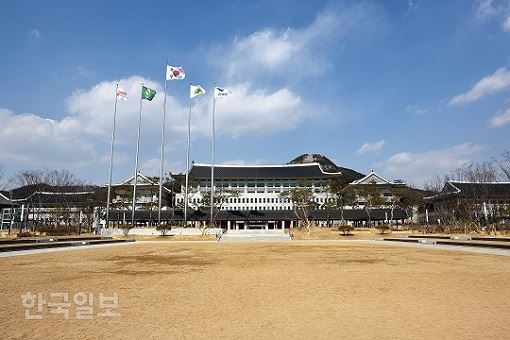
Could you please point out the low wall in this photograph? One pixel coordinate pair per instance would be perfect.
(153, 231)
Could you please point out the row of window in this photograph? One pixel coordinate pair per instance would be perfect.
(258, 200)
(257, 208)
(234, 184)
(246, 200)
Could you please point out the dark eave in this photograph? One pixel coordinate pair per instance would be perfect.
(259, 215)
(247, 172)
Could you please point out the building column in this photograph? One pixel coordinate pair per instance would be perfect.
(283, 225)
(291, 224)
(267, 226)
(229, 227)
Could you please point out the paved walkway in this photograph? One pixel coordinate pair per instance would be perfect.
(255, 236)
(484, 250)
(50, 250)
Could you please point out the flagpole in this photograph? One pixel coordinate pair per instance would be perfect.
(136, 161)
(212, 162)
(112, 149)
(187, 167)
(162, 152)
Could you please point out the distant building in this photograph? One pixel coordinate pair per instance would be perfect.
(8, 211)
(147, 194)
(489, 200)
(384, 186)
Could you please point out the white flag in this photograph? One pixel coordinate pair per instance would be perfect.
(121, 94)
(174, 73)
(220, 92)
(195, 90)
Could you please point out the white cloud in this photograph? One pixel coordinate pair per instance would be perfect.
(412, 6)
(291, 51)
(485, 9)
(35, 33)
(82, 71)
(31, 139)
(494, 83)
(494, 10)
(370, 147)
(81, 138)
(417, 167)
(501, 118)
(255, 111)
(506, 25)
(416, 110)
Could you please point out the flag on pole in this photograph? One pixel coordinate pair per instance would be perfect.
(195, 90)
(121, 94)
(174, 73)
(148, 93)
(220, 92)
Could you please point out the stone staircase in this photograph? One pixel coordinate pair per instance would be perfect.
(255, 236)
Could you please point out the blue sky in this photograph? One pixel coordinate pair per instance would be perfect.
(409, 89)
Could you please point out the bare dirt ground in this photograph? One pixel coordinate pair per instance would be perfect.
(318, 233)
(299, 290)
(166, 238)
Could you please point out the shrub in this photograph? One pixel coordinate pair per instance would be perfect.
(51, 230)
(164, 229)
(383, 228)
(25, 234)
(345, 229)
(126, 228)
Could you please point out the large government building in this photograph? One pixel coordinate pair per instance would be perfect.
(255, 187)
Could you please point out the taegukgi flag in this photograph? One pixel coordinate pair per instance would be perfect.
(148, 93)
(195, 90)
(174, 73)
(220, 92)
(121, 94)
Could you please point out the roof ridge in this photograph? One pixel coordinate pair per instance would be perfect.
(259, 165)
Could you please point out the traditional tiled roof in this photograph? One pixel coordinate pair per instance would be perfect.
(143, 181)
(251, 172)
(4, 201)
(475, 189)
(374, 178)
(24, 192)
(53, 198)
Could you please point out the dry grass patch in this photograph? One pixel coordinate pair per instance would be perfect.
(303, 290)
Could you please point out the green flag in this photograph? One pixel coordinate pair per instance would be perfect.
(148, 93)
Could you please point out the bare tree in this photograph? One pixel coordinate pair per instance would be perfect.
(221, 197)
(372, 198)
(62, 184)
(3, 185)
(343, 193)
(475, 172)
(504, 164)
(29, 182)
(396, 199)
(302, 198)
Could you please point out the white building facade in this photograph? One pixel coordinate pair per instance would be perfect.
(256, 187)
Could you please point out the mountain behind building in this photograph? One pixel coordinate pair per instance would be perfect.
(327, 165)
